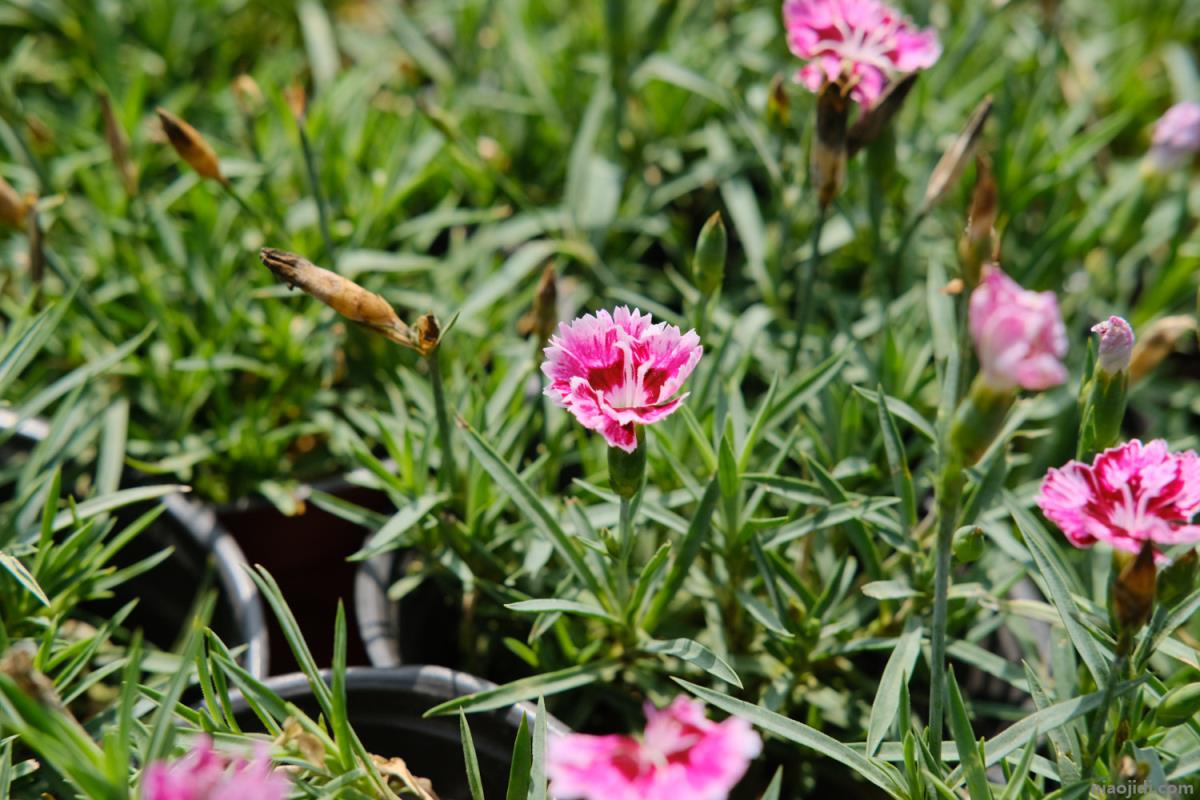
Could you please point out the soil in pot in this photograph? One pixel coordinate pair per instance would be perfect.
(385, 708)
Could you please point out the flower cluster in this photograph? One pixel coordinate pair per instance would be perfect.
(863, 40)
(682, 754)
(616, 371)
(1127, 496)
(205, 774)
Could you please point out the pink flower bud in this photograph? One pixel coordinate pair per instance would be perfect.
(1176, 137)
(1116, 344)
(1019, 335)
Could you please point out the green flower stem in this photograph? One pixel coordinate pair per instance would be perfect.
(446, 475)
(1096, 729)
(625, 548)
(949, 499)
(804, 298)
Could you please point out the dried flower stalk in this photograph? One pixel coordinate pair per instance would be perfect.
(955, 159)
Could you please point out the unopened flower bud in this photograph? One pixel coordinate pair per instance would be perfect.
(1103, 408)
(247, 94)
(968, 544)
(350, 300)
(118, 146)
(1178, 579)
(1156, 343)
(708, 266)
(829, 144)
(297, 101)
(1133, 589)
(979, 420)
(13, 207)
(627, 470)
(191, 146)
(1178, 706)
(871, 123)
(978, 242)
(955, 159)
(1116, 344)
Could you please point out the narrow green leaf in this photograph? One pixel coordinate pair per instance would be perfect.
(896, 673)
(796, 732)
(14, 567)
(520, 774)
(1040, 548)
(534, 686)
(550, 605)
(964, 740)
(474, 781)
(532, 507)
(902, 480)
(689, 548)
(697, 654)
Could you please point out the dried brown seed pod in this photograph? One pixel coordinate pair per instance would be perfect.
(342, 295)
(191, 146)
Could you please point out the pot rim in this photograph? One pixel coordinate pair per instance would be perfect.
(436, 682)
(375, 613)
(199, 522)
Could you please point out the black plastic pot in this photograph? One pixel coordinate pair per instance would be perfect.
(204, 554)
(307, 555)
(422, 628)
(385, 708)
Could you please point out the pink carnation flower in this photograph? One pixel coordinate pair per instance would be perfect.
(1129, 495)
(620, 370)
(1176, 137)
(204, 774)
(871, 40)
(682, 755)
(1019, 335)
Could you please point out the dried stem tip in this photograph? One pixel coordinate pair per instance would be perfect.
(954, 160)
(543, 316)
(191, 146)
(347, 298)
(13, 207)
(118, 145)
